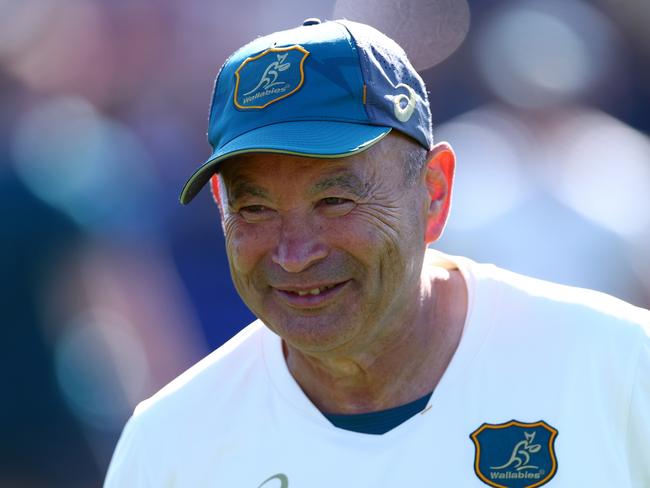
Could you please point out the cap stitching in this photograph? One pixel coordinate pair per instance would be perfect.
(360, 54)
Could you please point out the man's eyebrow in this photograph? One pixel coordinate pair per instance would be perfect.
(347, 181)
(241, 188)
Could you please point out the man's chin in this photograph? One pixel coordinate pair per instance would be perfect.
(314, 334)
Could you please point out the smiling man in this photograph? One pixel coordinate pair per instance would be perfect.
(376, 362)
(329, 254)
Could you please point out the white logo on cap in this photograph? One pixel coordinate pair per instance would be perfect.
(270, 74)
(403, 114)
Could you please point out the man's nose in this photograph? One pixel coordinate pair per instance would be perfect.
(300, 245)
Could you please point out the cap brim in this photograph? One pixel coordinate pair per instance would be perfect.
(317, 139)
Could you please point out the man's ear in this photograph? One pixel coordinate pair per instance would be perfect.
(216, 192)
(439, 182)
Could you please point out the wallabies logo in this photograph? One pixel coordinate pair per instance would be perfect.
(270, 76)
(515, 454)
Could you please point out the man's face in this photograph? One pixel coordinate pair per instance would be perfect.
(328, 253)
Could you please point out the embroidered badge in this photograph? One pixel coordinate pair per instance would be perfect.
(515, 454)
(270, 76)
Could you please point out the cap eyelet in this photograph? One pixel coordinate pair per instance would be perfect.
(311, 21)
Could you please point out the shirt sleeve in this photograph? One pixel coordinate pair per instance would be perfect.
(639, 420)
(127, 468)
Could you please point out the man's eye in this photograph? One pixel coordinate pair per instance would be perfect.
(254, 209)
(256, 213)
(335, 201)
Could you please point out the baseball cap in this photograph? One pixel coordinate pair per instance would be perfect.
(323, 89)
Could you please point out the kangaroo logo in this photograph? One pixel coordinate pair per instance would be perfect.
(270, 74)
(520, 456)
(268, 77)
(527, 449)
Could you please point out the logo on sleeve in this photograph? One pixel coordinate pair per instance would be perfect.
(281, 478)
(515, 454)
(270, 76)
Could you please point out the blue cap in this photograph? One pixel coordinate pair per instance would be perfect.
(323, 90)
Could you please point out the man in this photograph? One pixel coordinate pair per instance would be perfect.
(375, 362)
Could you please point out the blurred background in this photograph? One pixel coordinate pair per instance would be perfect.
(110, 288)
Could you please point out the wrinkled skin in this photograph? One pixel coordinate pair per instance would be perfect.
(384, 332)
(296, 223)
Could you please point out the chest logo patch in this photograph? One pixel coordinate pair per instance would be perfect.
(270, 76)
(515, 454)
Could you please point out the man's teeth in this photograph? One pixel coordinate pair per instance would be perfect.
(315, 291)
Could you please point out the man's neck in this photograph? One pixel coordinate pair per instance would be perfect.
(397, 369)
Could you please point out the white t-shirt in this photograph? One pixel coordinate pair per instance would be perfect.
(549, 384)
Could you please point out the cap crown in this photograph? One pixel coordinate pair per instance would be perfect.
(334, 71)
(324, 90)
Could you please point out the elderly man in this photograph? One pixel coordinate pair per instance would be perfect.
(376, 362)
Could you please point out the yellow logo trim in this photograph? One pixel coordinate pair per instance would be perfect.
(253, 58)
(474, 435)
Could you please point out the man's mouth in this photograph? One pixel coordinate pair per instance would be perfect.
(313, 291)
(310, 296)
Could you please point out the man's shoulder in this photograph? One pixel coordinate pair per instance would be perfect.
(211, 377)
(563, 306)
(567, 296)
(557, 306)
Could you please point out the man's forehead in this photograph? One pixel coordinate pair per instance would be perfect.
(257, 166)
(254, 174)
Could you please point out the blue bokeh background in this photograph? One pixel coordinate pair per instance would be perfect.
(110, 288)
